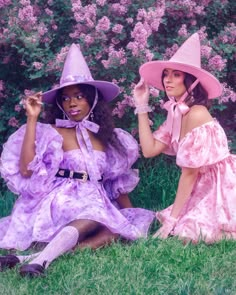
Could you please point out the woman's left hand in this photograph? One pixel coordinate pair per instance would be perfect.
(166, 228)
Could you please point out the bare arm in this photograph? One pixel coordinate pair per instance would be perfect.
(150, 146)
(33, 107)
(197, 116)
(186, 183)
(124, 201)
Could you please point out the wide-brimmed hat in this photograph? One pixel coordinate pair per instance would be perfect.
(76, 71)
(186, 59)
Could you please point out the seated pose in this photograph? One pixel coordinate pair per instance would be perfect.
(68, 174)
(205, 204)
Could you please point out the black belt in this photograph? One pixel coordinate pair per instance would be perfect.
(66, 173)
(81, 176)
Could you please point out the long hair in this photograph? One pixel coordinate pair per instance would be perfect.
(101, 115)
(198, 96)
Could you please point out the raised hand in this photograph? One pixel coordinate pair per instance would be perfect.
(33, 104)
(141, 93)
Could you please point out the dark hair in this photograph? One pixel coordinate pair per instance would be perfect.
(198, 96)
(102, 115)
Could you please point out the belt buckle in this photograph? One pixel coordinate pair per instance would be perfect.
(84, 177)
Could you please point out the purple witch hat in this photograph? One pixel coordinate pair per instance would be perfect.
(76, 71)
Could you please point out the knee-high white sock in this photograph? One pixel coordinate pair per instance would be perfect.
(64, 241)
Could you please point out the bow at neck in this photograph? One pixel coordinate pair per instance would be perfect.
(174, 117)
(81, 124)
(85, 144)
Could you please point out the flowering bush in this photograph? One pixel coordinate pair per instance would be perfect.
(116, 37)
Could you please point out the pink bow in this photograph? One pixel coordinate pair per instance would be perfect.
(174, 117)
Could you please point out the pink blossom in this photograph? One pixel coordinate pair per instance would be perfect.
(54, 27)
(117, 28)
(206, 51)
(13, 122)
(101, 2)
(149, 55)
(227, 94)
(217, 63)
(154, 92)
(4, 3)
(48, 11)
(118, 9)
(17, 108)
(25, 2)
(42, 29)
(183, 31)
(103, 24)
(26, 14)
(38, 65)
(130, 20)
(88, 39)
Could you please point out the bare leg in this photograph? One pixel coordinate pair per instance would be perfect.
(101, 238)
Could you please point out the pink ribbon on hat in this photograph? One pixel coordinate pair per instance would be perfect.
(176, 109)
(84, 143)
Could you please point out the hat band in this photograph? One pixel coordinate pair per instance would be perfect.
(76, 79)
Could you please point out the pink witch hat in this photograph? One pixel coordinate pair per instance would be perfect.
(76, 71)
(186, 59)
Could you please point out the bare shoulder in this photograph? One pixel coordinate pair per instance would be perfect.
(197, 116)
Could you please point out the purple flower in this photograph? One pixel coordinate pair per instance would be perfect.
(103, 24)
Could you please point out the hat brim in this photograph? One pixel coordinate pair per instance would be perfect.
(109, 90)
(151, 72)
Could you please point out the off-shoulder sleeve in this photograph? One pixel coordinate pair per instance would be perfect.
(119, 177)
(45, 164)
(162, 134)
(204, 145)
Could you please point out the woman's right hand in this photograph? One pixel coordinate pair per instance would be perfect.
(33, 105)
(141, 93)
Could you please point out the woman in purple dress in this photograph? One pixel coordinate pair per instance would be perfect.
(67, 173)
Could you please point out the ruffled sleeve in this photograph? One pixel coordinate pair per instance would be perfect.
(119, 177)
(45, 164)
(162, 134)
(204, 145)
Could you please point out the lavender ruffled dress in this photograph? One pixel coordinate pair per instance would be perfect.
(47, 203)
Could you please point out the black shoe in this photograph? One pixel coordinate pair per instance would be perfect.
(8, 261)
(32, 270)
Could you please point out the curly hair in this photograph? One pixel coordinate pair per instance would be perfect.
(198, 96)
(101, 115)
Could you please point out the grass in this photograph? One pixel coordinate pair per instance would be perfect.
(143, 267)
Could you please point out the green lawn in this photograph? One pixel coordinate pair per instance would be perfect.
(144, 267)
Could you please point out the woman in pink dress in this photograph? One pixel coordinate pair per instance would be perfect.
(205, 204)
(69, 174)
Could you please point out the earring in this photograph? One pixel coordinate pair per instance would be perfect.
(92, 116)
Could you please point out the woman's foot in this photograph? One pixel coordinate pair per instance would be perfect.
(32, 270)
(8, 261)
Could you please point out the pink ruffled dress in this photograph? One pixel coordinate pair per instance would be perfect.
(47, 203)
(210, 212)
